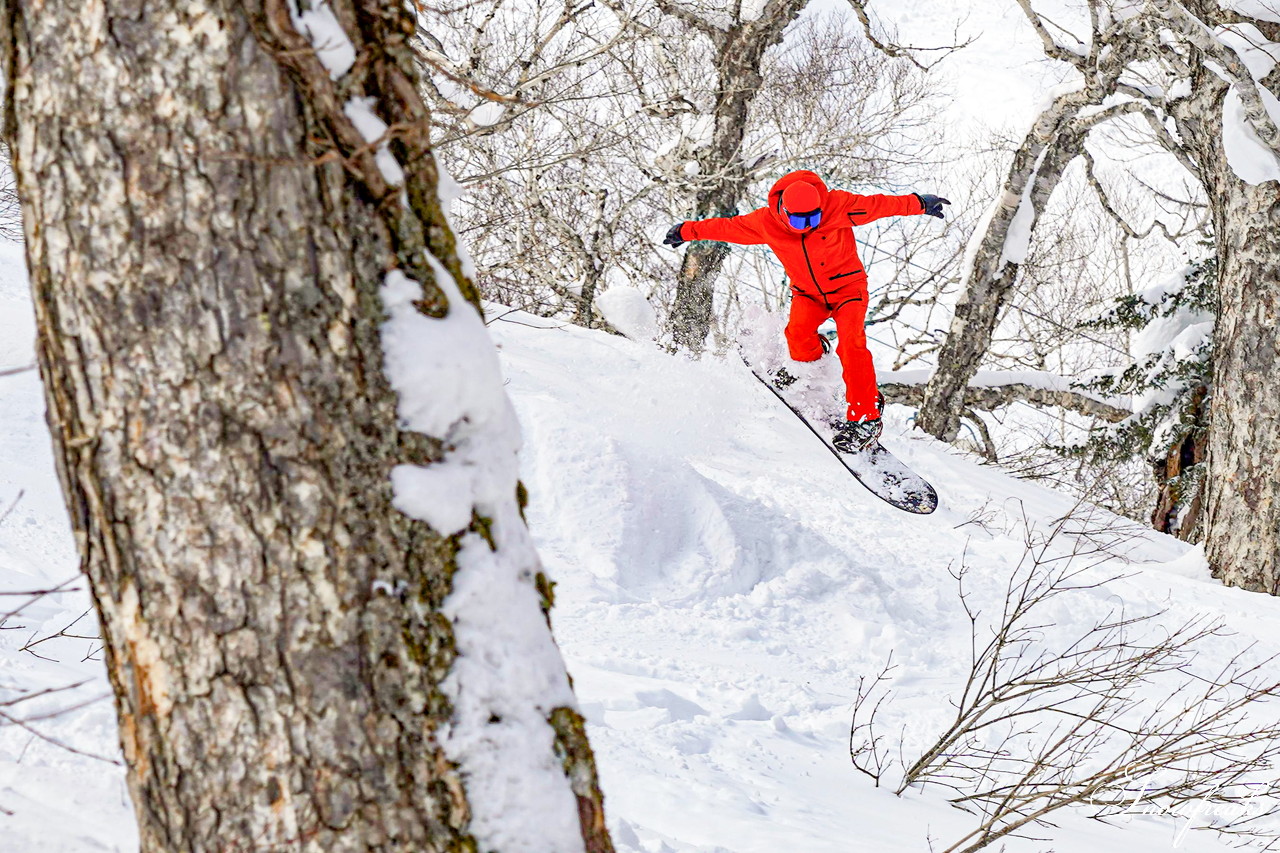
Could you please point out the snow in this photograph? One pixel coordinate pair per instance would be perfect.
(459, 365)
(1181, 333)
(628, 311)
(450, 386)
(373, 129)
(1255, 50)
(721, 584)
(1252, 160)
(322, 28)
(1168, 286)
(1017, 242)
(1180, 90)
(450, 191)
(440, 495)
(487, 114)
(751, 10)
(987, 378)
(1267, 10)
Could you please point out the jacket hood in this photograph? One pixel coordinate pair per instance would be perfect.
(775, 192)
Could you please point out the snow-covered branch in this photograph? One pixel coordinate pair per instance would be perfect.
(1231, 66)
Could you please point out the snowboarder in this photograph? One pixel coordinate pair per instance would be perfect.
(810, 229)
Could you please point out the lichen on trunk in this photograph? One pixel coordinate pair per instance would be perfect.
(206, 233)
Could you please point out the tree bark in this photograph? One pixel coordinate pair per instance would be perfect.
(206, 232)
(740, 49)
(1051, 144)
(1242, 495)
(1242, 488)
(1179, 511)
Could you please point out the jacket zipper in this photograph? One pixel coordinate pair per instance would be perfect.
(804, 248)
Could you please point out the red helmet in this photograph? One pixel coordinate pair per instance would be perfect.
(801, 205)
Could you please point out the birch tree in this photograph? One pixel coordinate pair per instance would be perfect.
(1206, 76)
(252, 316)
(1003, 240)
(1229, 125)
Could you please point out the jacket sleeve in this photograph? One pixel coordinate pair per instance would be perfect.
(744, 230)
(862, 209)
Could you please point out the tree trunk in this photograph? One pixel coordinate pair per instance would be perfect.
(1054, 140)
(1179, 507)
(207, 230)
(1037, 168)
(696, 291)
(740, 49)
(1242, 488)
(1242, 533)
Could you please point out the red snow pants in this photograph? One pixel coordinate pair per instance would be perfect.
(850, 312)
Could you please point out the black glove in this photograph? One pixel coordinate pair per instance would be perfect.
(932, 204)
(673, 237)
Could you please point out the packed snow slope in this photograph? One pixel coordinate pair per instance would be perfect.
(722, 584)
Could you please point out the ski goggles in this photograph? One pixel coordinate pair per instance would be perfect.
(804, 221)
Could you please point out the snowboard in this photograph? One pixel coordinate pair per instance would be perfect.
(878, 470)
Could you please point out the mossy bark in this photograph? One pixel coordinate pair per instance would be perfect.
(206, 235)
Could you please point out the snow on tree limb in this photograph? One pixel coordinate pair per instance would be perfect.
(1231, 66)
(992, 393)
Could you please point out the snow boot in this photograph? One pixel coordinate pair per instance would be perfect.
(782, 378)
(856, 436)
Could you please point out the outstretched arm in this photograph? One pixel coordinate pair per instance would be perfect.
(862, 209)
(744, 230)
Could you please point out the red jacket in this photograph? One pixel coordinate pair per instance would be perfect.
(822, 262)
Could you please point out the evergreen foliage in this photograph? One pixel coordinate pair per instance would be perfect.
(1169, 380)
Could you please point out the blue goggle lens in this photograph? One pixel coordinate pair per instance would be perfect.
(805, 221)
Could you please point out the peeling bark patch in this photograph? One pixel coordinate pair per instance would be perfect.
(150, 672)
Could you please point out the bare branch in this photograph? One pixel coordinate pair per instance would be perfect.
(693, 20)
(1052, 47)
(897, 51)
(990, 397)
(866, 750)
(11, 371)
(1042, 726)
